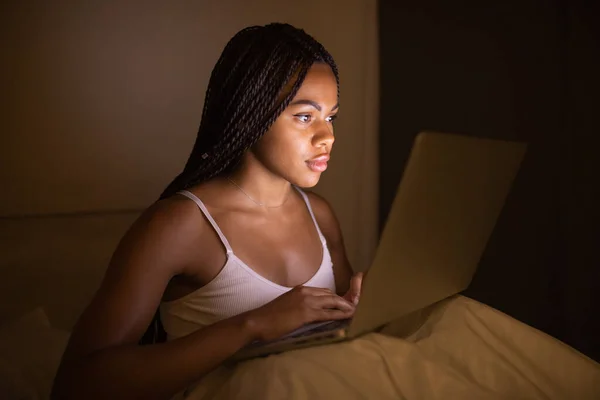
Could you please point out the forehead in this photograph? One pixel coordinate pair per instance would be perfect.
(319, 83)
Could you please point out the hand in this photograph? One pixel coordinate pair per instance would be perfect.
(353, 294)
(299, 306)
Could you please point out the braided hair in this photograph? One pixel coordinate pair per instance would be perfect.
(254, 80)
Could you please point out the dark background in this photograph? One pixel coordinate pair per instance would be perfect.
(525, 70)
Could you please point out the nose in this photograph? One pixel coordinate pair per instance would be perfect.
(323, 136)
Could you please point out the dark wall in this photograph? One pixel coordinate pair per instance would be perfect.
(580, 178)
(519, 70)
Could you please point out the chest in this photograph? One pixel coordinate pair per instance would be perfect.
(287, 250)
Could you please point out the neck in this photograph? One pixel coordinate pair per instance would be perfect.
(261, 186)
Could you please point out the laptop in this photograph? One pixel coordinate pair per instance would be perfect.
(450, 196)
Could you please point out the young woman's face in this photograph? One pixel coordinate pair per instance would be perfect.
(298, 144)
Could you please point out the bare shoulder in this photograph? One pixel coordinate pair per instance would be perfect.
(319, 204)
(173, 219)
(158, 246)
(325, 217)
(167, 226)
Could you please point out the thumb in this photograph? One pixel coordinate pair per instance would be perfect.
(355, 287)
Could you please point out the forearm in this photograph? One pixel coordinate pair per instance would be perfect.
(154, 371)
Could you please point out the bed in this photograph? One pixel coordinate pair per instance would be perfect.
(461, 349)
(455, 349)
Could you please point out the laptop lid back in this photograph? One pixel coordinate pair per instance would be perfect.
(451, 194)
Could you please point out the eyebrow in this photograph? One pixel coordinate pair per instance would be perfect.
(313, 103)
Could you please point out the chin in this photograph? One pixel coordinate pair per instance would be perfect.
(307, 181)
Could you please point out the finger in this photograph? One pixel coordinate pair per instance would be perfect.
(333, 302)
(331, 314)
(355, 287)
(356, 282)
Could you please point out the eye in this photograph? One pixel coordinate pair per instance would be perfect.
(305, 118)
(331, 118)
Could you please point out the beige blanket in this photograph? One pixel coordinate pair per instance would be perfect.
(458, 349)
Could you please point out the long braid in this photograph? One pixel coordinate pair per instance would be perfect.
(243, 96)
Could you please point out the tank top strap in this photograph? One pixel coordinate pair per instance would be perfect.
(312, 214)
(210, 219)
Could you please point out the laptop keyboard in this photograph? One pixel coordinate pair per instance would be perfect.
(329, 326)
(307, 331)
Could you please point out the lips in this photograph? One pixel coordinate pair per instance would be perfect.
(318, 163)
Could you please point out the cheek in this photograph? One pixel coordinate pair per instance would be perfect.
(284, 144)
(283, 154)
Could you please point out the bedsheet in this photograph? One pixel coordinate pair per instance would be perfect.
(455, 349)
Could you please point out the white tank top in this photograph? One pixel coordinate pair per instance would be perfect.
(237, 288)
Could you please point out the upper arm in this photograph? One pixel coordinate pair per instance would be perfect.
(156, 248)
(330, 227)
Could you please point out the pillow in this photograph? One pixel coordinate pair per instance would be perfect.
(30, 352)
(33, 319)
(13, 384)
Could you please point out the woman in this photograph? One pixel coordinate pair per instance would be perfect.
(233, 252)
